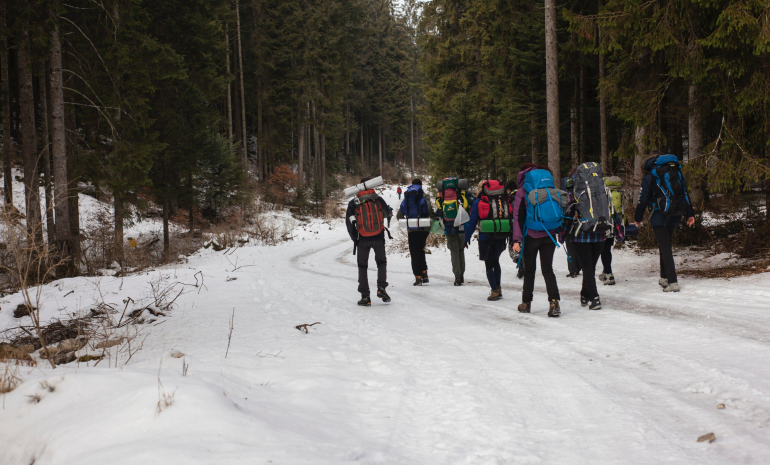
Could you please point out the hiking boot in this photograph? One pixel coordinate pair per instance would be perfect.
(425, 277)
(382, 294)
(520, 272)
(602, 276)
(609, 280)
(663, 282)
(427, 251)
(500, 291)
(596, 304)
(462, 279)
(365, 301)
(494, 295)
(553, 309)
(458, 281)
(572, 275)
(525, 307)
(673, 287)
(583, 301)
(417, 280)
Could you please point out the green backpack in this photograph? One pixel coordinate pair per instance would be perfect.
(614, 183)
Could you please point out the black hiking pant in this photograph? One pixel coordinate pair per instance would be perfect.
(589, 253)
(667, 265)
(417, 240)
(607, 255)
(546, 248)
(490, 251)
(573, 262)
(364, 246)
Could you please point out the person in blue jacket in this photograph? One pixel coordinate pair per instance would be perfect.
(662, 225)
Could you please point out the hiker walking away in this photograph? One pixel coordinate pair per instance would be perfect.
(452, 204)
(491, 211)
(573, 263)
(617, 233)
(664, 191)
(538, 210)
(398, 191)
(417, 213)
(592, 217)
(365, 219)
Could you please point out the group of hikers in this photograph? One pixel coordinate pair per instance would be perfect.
(528, 216)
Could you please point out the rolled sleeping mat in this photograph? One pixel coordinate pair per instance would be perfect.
(413, 223)
(370, 184)
(462, 184)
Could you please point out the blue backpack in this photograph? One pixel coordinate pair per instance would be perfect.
(414, 204)
(671, 197)
(545, 203)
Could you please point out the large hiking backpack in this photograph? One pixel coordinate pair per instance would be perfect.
(593, 198)
(495, 210)
(452, 197)
(545, 203)
(370, 217)
(671, 197)
(414, 206)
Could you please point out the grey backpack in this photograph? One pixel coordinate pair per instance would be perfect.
(593, 198)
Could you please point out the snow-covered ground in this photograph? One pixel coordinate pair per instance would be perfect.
(438, 376)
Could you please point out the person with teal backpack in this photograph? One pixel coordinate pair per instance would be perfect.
(453, 202)
(538, 210)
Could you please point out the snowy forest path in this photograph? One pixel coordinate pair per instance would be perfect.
(585, 380)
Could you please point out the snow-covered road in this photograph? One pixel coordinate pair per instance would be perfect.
(438, 376)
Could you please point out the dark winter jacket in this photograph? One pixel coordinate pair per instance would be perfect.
(647, 197)
(351, 212)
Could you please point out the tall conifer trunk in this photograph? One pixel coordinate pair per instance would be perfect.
(72, 181)
(411, 127)
(552, 88)
(534, 138)
(641, 152)
(695, 142)
(582, 120)
(573, 124)
(6, 98)
(59, 147)
(45, 154)
(361, 143)
(379, 140)
(29, 143)
(300, 145)
(244, 146)
(602, 109)
(229, 93)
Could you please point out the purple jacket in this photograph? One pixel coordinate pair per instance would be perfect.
(520, 211)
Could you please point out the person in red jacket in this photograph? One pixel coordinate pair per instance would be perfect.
(398, 191)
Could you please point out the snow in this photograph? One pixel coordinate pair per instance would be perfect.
(439, 375)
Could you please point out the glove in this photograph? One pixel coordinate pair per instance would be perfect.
(467, 244)
(354, 223)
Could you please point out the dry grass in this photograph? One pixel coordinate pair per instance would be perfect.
(730, 271)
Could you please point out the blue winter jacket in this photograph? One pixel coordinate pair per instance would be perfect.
(647, 199)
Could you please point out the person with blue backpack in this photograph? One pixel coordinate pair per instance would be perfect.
(417, 213)
(664, 191)
(538, 210)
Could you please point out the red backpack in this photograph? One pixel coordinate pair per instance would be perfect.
(494, 204)
(369, 214)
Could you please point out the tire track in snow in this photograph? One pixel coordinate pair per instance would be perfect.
(638, 381)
